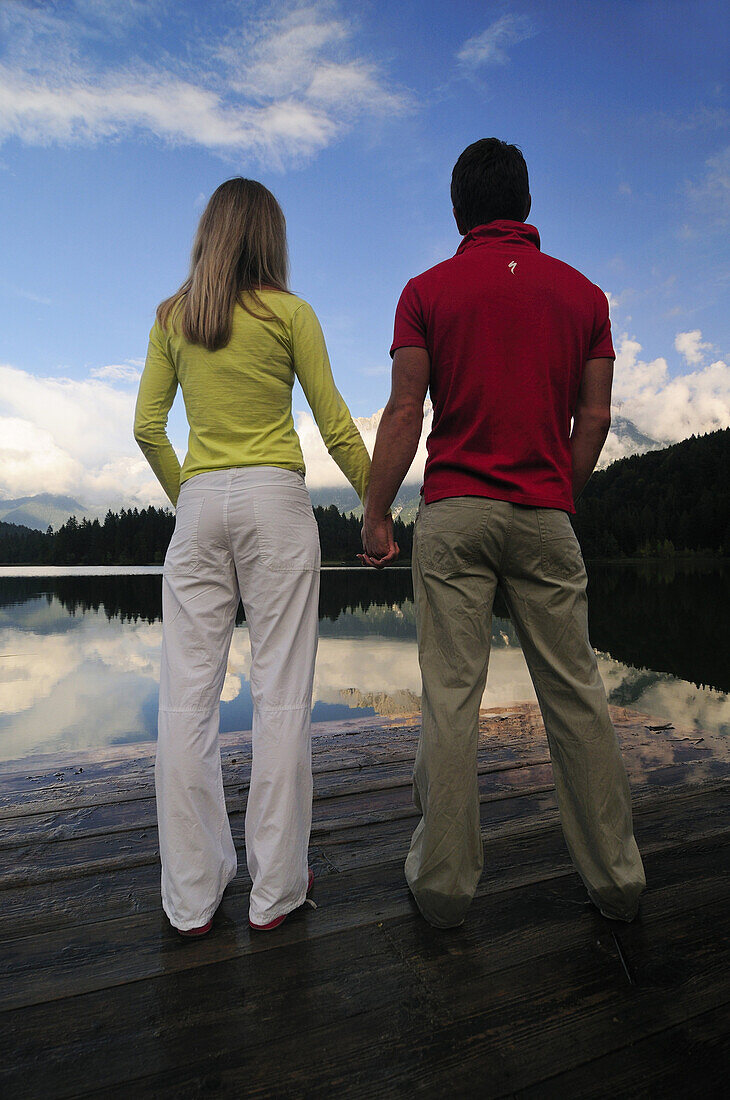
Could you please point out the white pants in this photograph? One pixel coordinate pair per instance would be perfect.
(247, 531)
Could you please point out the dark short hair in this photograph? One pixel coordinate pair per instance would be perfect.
(489, 181)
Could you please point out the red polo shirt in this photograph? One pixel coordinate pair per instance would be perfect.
(508, 331)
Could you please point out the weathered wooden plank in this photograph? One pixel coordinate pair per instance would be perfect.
(86, 898)
(78, 958)
(360, 826)
(97, 1040)
(656, 812)
(509, 1029)
(42, 859)
(354, 764)
(517, 737)
(530, 990)
(97, 813)
(690, 1059)
(393, 1007)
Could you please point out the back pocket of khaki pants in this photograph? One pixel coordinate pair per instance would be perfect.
(287, 532)
(451, 533)
(560, 549)
(182, 554)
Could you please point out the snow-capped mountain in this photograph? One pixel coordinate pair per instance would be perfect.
(626, 439)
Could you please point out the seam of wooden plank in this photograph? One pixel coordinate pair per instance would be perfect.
(396, 920)
(537, 1089)
(486, 885)
(321, 798)
(352, 820)
(323, 834)
(232, 786)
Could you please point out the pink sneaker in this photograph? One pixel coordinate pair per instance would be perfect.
(280, 920)
(195, 931)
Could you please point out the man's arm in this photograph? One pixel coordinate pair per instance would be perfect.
(591, 420)
(395, 447)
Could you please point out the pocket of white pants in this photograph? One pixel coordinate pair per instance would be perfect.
(287, 531)
(559, 547)
(182, 554)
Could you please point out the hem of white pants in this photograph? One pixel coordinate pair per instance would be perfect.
(274, 914)
(208, 912)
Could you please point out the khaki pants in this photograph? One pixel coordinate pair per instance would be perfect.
(464, 547)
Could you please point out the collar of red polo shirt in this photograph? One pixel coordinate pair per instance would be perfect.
(502, 231)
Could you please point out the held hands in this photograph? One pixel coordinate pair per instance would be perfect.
(378, 541)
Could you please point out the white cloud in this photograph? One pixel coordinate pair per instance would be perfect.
(613, 303)
(32, 462)
(670, 408)
(322, 472)
(90, 419)
(690, 346)
(488, 48)
(283, 89)
(60, 435)
(75, 436)
(119, 372)
(711, 194)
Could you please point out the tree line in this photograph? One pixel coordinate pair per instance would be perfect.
(662, 503)
(140, 537)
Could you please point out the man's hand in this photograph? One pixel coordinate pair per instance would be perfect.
(378, 541)
(395, 446)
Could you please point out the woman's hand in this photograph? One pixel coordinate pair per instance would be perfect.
(378, 542)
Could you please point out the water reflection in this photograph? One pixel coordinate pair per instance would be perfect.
(79, 656)
(666, 617)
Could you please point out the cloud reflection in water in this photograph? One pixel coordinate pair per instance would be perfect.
(76, 675)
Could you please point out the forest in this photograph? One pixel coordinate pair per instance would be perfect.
(659, 504)
(662, 503)
(134, 537)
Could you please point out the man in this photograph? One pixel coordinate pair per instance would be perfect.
(513, 345)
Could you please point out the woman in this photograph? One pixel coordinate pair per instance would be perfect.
(234, 338)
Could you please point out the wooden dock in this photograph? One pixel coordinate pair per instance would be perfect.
(535, 995)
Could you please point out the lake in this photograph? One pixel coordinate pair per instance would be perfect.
(79, 651)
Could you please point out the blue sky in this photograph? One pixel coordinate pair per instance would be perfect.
(118, 119)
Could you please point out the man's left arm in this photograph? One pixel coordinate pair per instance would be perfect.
(395, 447)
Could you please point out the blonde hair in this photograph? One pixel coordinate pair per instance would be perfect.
(239, 248)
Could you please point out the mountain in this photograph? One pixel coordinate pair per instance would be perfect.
(347, 501)
(344, 498)
(624, 439)
(43, 509)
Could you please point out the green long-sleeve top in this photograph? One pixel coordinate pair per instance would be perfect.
(238, 400)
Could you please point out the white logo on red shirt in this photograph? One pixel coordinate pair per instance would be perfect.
(512, 265)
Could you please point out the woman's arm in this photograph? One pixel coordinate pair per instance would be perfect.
(157, 389)
(312, 368)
